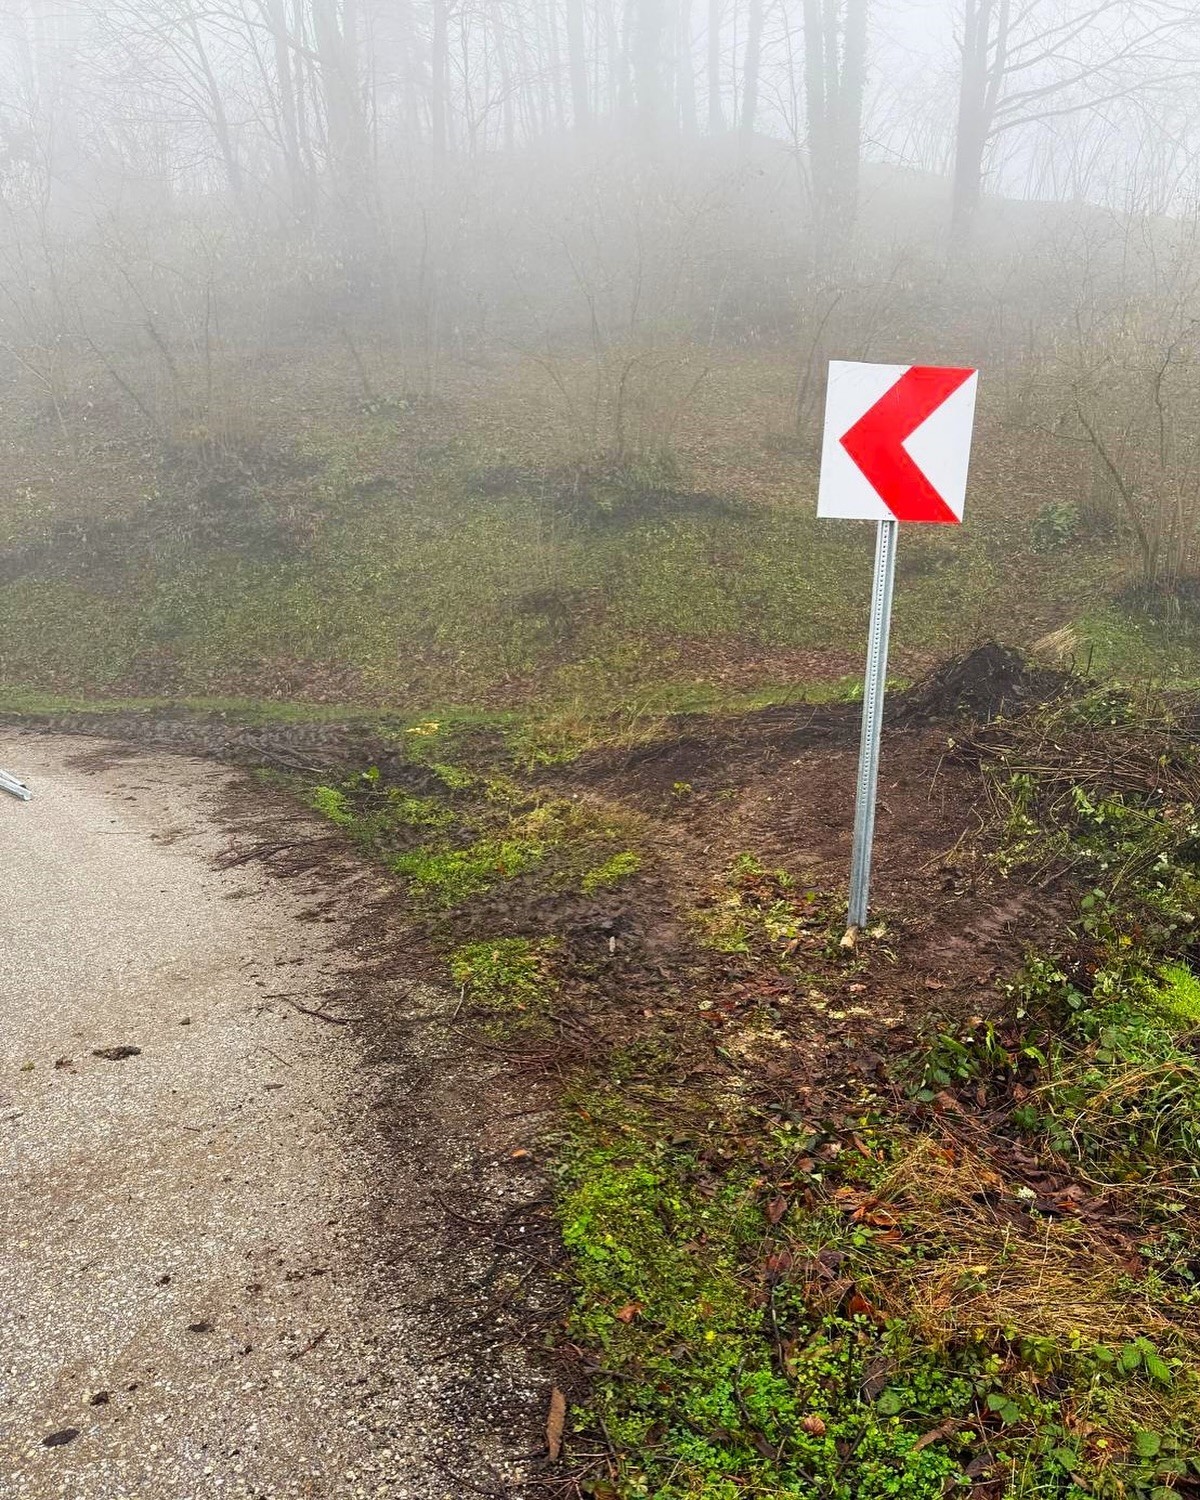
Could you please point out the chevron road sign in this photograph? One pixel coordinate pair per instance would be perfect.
(897, 441)
(896, 447)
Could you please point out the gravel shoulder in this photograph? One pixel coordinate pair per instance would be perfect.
(225, 1269)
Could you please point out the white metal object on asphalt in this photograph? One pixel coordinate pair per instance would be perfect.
(896, 447)
(14, 787)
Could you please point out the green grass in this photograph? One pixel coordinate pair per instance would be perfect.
(504, 975)
(733, 1365)
(1118, 1087)
(612, 872)
(436, 590)
(1177, 995)
(1136, 649)
(707, 1390)
(483, 829)
(448, 877)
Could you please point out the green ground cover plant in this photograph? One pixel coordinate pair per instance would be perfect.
(922, 1294)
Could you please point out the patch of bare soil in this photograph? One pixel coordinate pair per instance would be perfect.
(779, 785)
(303, 747)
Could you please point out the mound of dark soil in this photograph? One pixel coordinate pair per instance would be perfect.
(988, 683)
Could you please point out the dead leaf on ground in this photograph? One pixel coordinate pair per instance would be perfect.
(555, 1423)
(858, 1306)
(776, 1209)
(778, 1264)
(947, 1429)
(876, 1377)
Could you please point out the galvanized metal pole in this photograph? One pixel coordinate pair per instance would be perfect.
(872, 719)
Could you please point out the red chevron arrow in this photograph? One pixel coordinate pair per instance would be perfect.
(876, 440)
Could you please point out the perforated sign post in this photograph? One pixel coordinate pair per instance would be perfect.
(896, 447)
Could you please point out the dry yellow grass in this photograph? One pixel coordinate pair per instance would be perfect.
(988, 1277)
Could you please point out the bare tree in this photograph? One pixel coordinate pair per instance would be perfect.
(1026, 63)
(716, 115)
(1133, 382)
(835, 66)
(750, 67)
(577, 62)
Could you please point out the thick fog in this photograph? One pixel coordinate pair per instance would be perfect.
(185, 186)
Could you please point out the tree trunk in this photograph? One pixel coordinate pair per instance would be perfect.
(289, 129)
(337, 60)
(685, 72)
(625, 95)
(507, 122)
(835, 55)
(616, 58)
(816, 110)
(577, 65)
(985, 39)
(647, 64)
(438, 72)
(850, 109)
(716, 115)
(560, 114)
(218, 119)
(750, 67)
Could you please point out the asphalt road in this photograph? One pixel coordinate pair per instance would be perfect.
(190, 1269)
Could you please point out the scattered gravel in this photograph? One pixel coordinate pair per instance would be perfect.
(219, 1276)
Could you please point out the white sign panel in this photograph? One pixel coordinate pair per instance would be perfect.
(897, 442)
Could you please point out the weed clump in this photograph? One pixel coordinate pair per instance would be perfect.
(755, 910)
(373, 814)
(505, 975)
(739, 1354)
(616, 868)
(448, 877)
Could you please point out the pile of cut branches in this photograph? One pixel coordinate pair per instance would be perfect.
(1143, 748)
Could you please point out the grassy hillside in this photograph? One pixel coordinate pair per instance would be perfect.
(327, 537)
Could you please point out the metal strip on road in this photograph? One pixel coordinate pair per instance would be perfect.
(14, 787)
